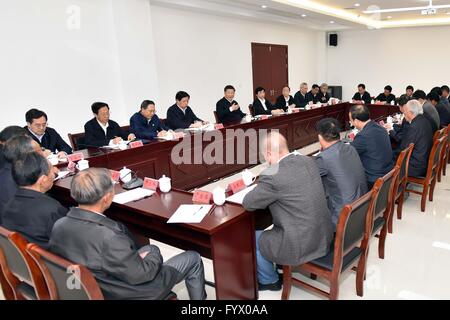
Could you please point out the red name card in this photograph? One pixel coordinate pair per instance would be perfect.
(264, 117)
(352, 136)
(115, 175)
(237, 186)
(151, 184)
(136, 144)
(203, 197)
(178, 135)
(75, 157)
(219, 126)
(71, 165)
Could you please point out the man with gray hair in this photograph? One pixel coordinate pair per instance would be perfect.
(419, 133)
(291, 188)
(300, 96)
(324, 97)
(86, 236)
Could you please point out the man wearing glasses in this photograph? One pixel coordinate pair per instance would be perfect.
(145, 124)
(48, 138)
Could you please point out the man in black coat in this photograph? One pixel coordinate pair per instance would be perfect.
(324, 97)
(47, 137)
(387, 97)
(300, 96)
(397, 131)
(444, 113)
(362, 96)
(101, 130)
(372, 143)
(262, 106)
(285, 101)
(228, 110)
(313, 96)
(419, 133)
(181, 116)
(106, 247)
(31, 212)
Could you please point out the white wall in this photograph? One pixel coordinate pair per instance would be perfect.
(200, 54)
(399, 57)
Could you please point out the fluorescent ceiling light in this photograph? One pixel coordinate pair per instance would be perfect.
(430, 6)
(369, 22)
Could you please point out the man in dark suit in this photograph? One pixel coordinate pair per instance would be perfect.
(47, 137)
(181, 116)
(372, 144)
(446, 95)
(313, 96)
(302, 228)
(419, 133)
(429, 111)
(228, 110)
(262, 106)
(146, 124)
(408, 95)
(300, 96)
(5, 135)
(362, 96)
(31, 212)
(324, 97)
(397, 131)
(444, 113)
(285, 101)
(101, 130)
(387, 97)
(340, 167)
(15, 148)
(106, 247)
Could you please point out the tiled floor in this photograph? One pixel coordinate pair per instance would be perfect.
(417, 259)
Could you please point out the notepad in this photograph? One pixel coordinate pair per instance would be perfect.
(190, 213)
(239, 197)
(133, 195)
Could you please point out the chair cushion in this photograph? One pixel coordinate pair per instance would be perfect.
(327, 261)
(27, 291)
(378, 224)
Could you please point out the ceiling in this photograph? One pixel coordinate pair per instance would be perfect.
(329, 15)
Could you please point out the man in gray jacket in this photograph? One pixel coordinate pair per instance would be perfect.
(340, 167)
(106, 247)
(292, 190)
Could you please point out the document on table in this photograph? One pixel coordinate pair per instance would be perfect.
(239, 197)
(190, 213)
(133, 195)
(62, 175)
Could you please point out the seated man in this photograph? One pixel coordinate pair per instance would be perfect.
(397, 131)
(362, 96)
(387, 97)
(324, 97)
(300, 96)
(440, 92)
(47, 137)
(15, 148)
(5, 135)
(261, 106)
(340, 167)
(445, 95)
(428, 110)
(181, 116)
(101, 130)
(31, 212)
(372, 143)
(444, 113)
(419, 133)
(228, 110)
(145, 124)
(285, 101)
(107, 249)
(408, 95)
(313, 96)
(302, 228)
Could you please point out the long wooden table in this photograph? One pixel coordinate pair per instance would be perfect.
(227, 235)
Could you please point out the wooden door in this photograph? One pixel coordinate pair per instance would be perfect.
(270, 68)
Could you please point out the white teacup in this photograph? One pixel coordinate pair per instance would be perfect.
(123, 145)
(248, 118)
(165, 184)
(219, 196)
(248, 177)
(125, 175)
(54, 159)
(82, 165)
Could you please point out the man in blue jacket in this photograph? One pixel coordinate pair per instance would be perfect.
(145, 124)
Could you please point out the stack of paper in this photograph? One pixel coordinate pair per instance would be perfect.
(133, 195)
(190, 213)
(239, 197)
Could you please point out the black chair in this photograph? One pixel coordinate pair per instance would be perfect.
(383, 207)
(20, 271)
(349, 247)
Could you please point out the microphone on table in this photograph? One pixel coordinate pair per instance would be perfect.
(134, 183)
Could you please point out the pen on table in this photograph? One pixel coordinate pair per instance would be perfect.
(201, 207)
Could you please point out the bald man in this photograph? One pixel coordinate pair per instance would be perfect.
(291, 188)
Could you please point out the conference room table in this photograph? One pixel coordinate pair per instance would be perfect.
(226, 235)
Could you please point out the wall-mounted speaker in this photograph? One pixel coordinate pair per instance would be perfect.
(333, 39)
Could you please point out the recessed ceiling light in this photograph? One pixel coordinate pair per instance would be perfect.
(357, 4)
(264, 7)
(304, 15)
(331, 22)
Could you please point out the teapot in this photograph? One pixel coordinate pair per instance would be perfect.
(165, 184)
(219, 196)
(125, 175)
